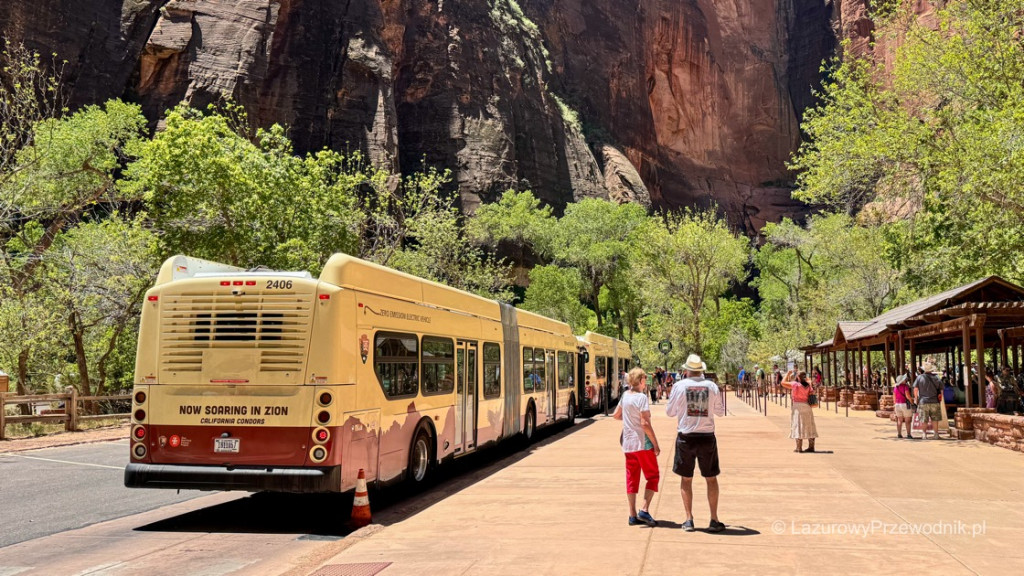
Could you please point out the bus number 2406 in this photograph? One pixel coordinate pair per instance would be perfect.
(279, 284)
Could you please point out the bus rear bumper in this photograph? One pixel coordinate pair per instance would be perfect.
(185, 477)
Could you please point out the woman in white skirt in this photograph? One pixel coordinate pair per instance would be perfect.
(803, 416)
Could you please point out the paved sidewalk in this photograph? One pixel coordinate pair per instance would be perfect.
(874, 505)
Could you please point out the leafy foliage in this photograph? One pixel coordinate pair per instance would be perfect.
(216, 194)
(935, 136)
(691, 259)
(62, 174)
(555, 292)
(813, 276)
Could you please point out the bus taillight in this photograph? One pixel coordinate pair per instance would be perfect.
(318, 454)
(140, 415)
(140, 397)
(326, 398)
(321, 435)
(323, 417)
(139, 451)
(139, 432)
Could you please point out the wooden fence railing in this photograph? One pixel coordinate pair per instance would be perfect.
(71, 415)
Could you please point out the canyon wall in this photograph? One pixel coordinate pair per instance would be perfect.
(665, 102)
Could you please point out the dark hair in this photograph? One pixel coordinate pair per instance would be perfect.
(801, 376)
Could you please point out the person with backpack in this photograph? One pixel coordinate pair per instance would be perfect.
(927, 388)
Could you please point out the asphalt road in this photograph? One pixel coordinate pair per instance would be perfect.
(51, 490)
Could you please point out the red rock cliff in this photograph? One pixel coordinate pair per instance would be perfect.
(675, 102)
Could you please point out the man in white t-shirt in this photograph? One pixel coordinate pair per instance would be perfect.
(695, 402)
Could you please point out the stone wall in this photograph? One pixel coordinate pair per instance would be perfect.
(1000, 429)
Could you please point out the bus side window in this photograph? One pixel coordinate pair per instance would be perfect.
(528, 374)
(540, 382)
(438, 365)
(395, 360)
(563, 370)
(492, 370)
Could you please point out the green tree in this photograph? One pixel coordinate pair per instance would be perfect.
(29, 94)
(518, 219)
(431, 241)
(810, 277)
(555, 292)
(99, 273)
(215, 193)
(63, 172)
(931, 136)
(692, 259)
(595, 237)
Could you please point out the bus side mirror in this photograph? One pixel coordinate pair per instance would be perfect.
(585, 355)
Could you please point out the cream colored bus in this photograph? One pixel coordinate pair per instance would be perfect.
(261, 380)
(607, 360)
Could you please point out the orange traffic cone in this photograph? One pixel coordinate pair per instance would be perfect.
(361, 503)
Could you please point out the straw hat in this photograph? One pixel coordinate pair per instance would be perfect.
(694, 363)
(929, 367)
(901, 379)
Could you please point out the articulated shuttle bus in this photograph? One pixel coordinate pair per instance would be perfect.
(607, 360)
(262, 380)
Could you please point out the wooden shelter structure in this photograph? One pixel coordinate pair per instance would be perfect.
(950, 326)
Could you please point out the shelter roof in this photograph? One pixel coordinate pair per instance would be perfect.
(847, 330)
(992, 292)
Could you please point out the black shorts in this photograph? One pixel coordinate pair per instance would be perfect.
(696, 448)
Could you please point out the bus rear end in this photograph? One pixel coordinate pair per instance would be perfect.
(223, 397)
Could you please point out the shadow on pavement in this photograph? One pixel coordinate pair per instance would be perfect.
(325, 516)
(738, 531)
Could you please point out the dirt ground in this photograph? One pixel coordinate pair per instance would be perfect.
(105, 434)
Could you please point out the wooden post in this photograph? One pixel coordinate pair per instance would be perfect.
(3, 414)
(860, 366)
(980, 345)
(913, 359)
(960, 358)
(835, 360)
(1002, 350)
(889, 367)
(1016, 365)
(965, 369)
(71, 409)
(903, 354)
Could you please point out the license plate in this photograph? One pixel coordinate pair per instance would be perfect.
(226, 445)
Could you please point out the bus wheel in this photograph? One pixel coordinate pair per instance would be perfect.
(419, 457)
(530, 426)
(572, 411)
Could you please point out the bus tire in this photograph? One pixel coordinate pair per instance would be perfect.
(530, 424)
(572, 410)
(421, 461)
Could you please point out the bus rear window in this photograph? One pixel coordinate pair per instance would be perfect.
(395, 360)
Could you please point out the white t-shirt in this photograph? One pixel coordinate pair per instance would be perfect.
(633, 404)
(695, 402)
